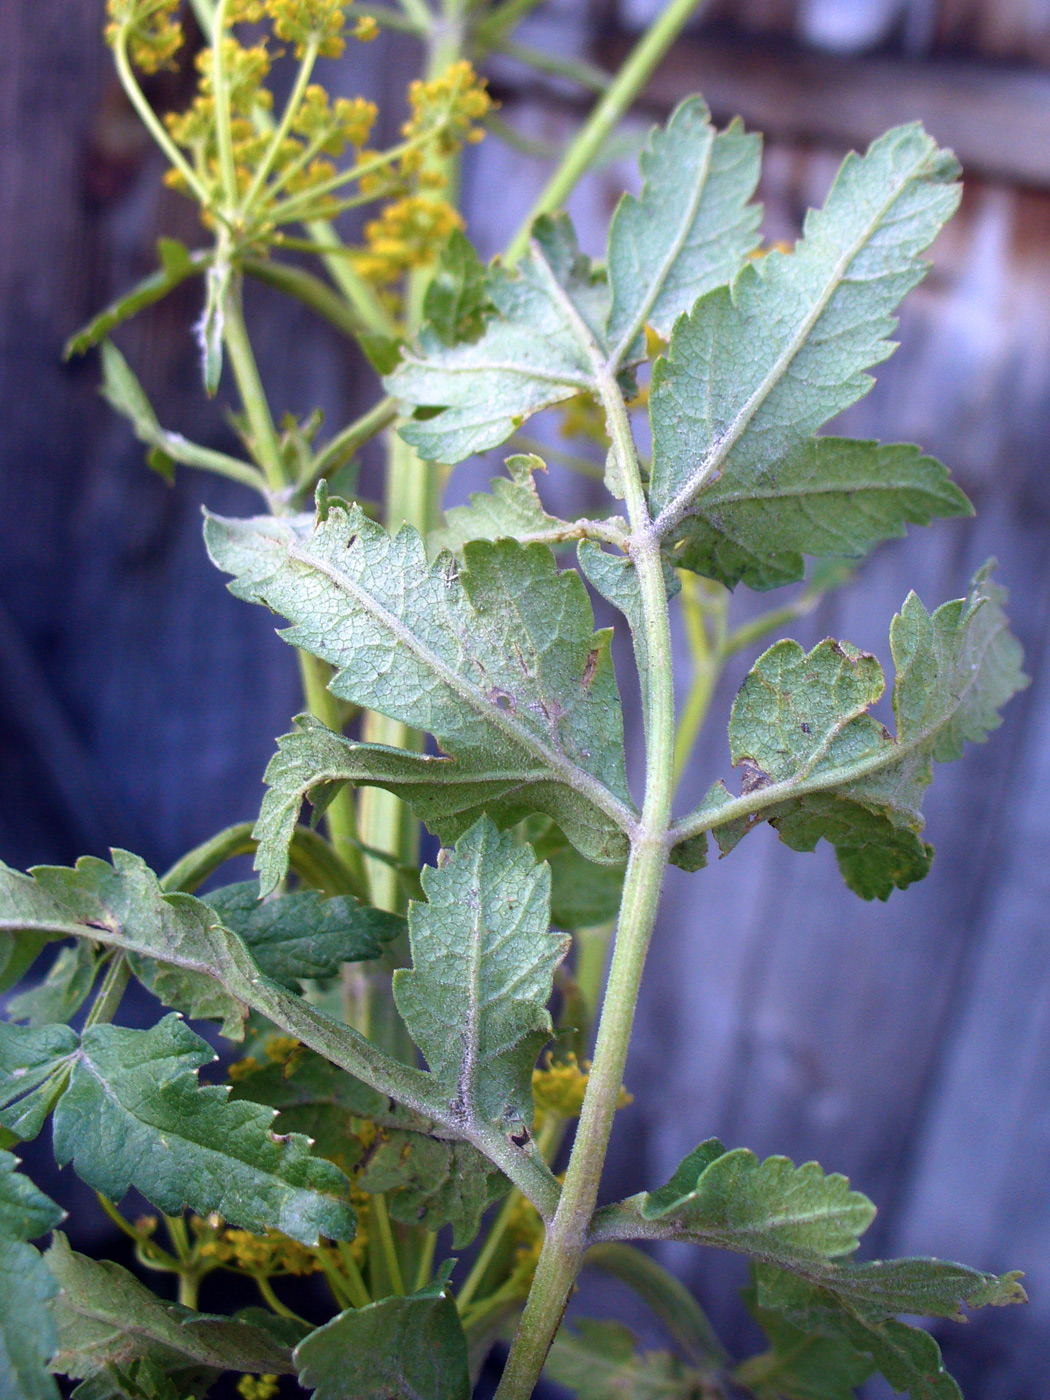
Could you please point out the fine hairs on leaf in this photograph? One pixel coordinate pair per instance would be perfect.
(428, 1031)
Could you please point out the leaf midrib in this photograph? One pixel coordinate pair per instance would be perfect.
(573, 776)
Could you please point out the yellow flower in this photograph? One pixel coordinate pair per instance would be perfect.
(366, 29)
(407, 234)
(449, 105)
(153, 31)
(301, 22)
(258, 1387)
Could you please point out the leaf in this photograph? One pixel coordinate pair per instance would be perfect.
(212, 324)
(800, 1366)
(134, 1115)
(433, 1182)
(122, 905)
(529, 356)
(818, 765)
(27, 1331)
(177, 263)
(754, 370)
(830, 496)
(842, 1306)
(692, 228)
(456, 298)
(402, 1349)
(599, 1361)
(770, 1210)
(511, 510)
(63, 991)
(583, 894)
(303, 934)
(107, 1319)
(19, 951)
(483, 963)
(498, 660)
(29, 1056)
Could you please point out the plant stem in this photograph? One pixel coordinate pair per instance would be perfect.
(628, 83)
(221, 94)
(291, 107)
(266, 444)
(425, 1267)
(110, 993)
(263, 1285)
(359, 1294)
(567, 1235)
(381, 1218)
(343, 446)
(148, 117)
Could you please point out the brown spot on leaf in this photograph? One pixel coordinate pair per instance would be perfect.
(590, 668)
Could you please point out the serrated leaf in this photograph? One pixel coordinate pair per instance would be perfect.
(483, 962)
(134, 1115)
(831, 496)
(303, 934)
(528, 357)
(29, 1056)
(63, 991)
(166, 936)
(600, 1361)
(692, 227)
(499, 660)
(177, 263)
(456, 298)
(432, 1182)
(842, 1305)
(402, 1349)
(800, 1365)
(818, 765)
(511, 510)
(770, 1210)
(27, 1331)
(107, 1320)
(754, 371)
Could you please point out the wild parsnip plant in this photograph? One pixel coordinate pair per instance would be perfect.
(414, 1049)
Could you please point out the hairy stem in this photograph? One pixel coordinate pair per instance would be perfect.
(265, 442)
(620, 94)
(567, 1235)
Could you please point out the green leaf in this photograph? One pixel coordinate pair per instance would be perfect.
(851, 1303)
(498, 940)
(134, 1115)
(818, 765)
(830, 496)
(529, 356)
(167, 937)
(800, 1365)
(303, 934)
(177, 264)
(29, 1056)
(402, 1349)
(692, 228)
(212, 324)
(63, 991)
(600, 1361)
(497, 660)
(756, 369)
(27, 1330)
(483, 962)
(770, 1210)
(19, 951)
(511, 510)
(107, 1319)
(583, 894)
(433, 1182)
(456, 298)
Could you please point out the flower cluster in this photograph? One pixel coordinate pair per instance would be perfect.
(449, 106)
(558, 1088)
(151, 29)
(307, 22)
(258, 1387)
(407, 234)
(264, 1255)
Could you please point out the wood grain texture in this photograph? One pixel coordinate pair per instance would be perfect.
(906, 1044)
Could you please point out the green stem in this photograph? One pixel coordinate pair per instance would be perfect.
(359, 1294)
(266, 444)
(311, 857)
(263, 1285)
(381, 1218)
(425, 1267)
(149, 118)
(567, 1235)
(585, 75)
(336, 1282)
(626, 86)
(110, 993)
(221, 94)
(493, 1240)
(343, 446)
(291, 107)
